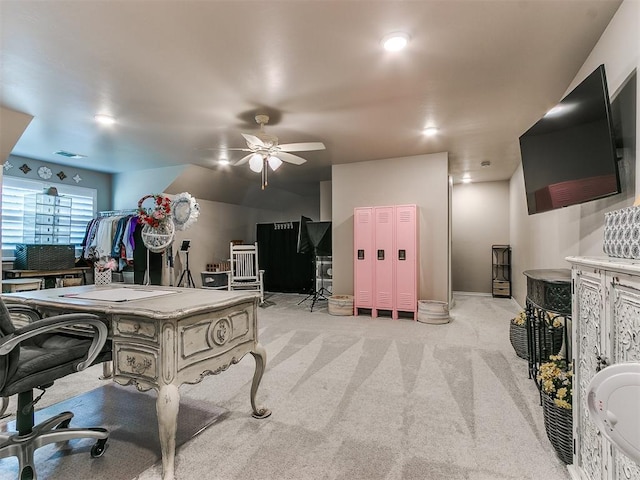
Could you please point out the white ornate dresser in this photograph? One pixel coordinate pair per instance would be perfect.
(606, 330)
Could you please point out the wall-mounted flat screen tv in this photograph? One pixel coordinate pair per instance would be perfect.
(569, 156)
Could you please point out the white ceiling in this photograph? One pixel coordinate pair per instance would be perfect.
(182, 77)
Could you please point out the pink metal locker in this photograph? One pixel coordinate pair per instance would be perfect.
(406, 260)
(363, 266)
(384, 259)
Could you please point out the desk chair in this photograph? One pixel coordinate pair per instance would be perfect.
(34, 356)
(245, 273)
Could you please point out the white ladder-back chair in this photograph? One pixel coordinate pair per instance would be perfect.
(245, 273)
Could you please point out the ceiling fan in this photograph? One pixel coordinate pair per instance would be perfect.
(265, 150)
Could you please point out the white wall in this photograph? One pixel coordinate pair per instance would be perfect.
(544, 240)
(420, 180)
(217, 225)
(480, 219)
(130, 187)
(325, 201)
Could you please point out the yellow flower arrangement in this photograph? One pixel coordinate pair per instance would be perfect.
(556, 380)
(555, 321)
(520, 319)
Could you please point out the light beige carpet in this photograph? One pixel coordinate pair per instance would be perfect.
(353, 398)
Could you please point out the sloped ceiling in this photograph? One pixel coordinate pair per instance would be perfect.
(185, 78)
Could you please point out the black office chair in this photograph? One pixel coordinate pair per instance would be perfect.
(34, 356)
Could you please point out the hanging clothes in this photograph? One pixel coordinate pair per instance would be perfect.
(110, 236)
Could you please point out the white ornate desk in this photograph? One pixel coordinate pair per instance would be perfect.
(179, 336)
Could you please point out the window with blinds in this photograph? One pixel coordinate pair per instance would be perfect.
(14, 209)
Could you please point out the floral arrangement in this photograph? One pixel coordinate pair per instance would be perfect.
(185, 210)
(555, 321)
(520, 319)
(556, 380)
(157, 215)
(104, 265)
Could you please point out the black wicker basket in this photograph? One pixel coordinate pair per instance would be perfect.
(518, 338)
(552, 342)
(558, 422)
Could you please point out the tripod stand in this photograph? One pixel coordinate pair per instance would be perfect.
(317, 294)
(186, 274)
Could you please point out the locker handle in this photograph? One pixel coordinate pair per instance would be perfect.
(380, 254)
(360, 254)
(402, 254)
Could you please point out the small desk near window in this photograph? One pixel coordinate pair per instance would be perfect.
(49, 275)
(10, 285)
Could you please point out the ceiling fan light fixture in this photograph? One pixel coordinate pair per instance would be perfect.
(274, 162)
(104, 119)
(255, 163)
(395, 41)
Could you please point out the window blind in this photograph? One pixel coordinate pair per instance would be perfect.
(83, 209)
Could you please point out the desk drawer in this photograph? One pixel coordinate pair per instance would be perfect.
(135, 327)
(136, 361)
(503, 292)
(209, 336)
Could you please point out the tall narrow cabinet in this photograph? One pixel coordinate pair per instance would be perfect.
(501, 271)
(605, 331)
(386, 259)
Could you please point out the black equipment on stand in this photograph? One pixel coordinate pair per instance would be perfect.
(186, 273)
(317, 237)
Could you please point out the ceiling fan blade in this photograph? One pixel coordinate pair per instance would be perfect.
(287, 157)
(243, 160)
(253, 140)
(218, 149)
(300, 147)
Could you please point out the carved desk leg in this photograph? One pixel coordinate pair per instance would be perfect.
(107, 370)
(167, 406)
(260, 355)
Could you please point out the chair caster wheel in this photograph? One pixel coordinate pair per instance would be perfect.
(99, 448)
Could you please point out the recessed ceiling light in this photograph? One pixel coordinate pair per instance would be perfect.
(395, 41)
(430, 131)
(104, 119)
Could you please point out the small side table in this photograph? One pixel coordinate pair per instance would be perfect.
(11, 285)
(215, 280)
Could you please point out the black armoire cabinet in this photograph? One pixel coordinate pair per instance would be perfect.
(285, 270)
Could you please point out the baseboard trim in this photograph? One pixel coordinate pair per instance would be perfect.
(474, 294)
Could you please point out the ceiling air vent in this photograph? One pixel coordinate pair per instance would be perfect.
(69, 154)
